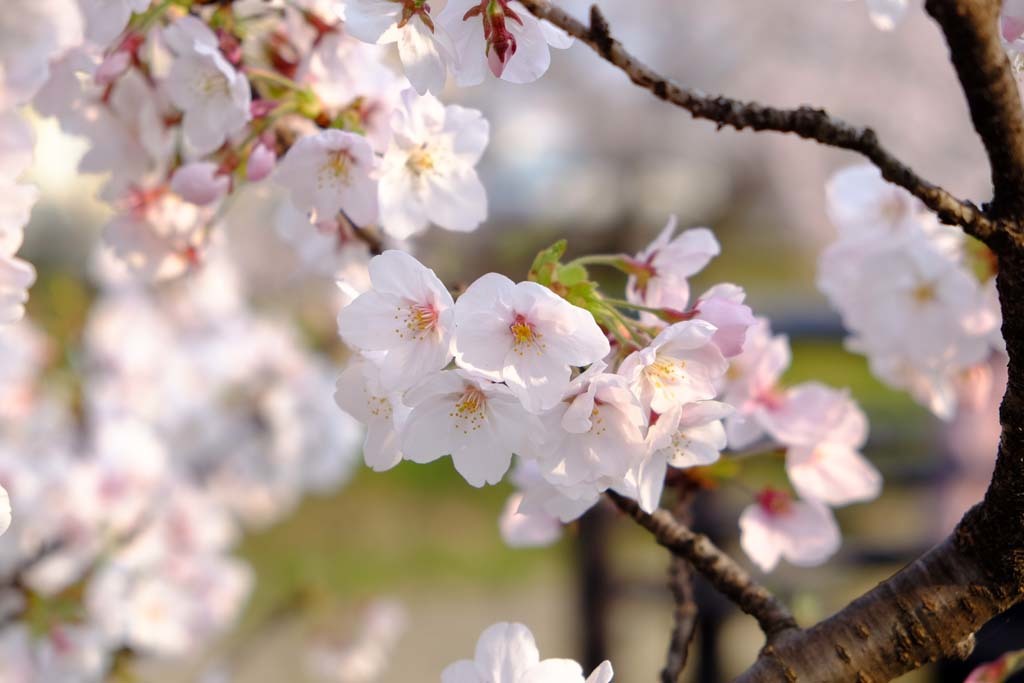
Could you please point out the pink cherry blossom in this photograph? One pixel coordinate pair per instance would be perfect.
(526, 336)
(661, 271)
(200, 183)
(406, 317)
(507, 653)
(478, 422)
(428, 172)
(329, 172)
(776, 526)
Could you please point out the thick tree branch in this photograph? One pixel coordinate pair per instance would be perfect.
(971, 28)
(717, 567)
(806, 122)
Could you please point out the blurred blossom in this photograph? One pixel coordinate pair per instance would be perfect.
(364, 658)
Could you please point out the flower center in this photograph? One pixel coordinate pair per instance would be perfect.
(338, 164)
(420, 320)
(924, 293)
(774, 502)
(468, 413)
(420, 160)
(524, 335)
(665, 370)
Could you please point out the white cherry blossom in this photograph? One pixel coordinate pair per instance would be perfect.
(423, 45)
(105, 19)
(331, 171)
(594, 436)
(32, 34)
(213, 95)
(517, 49)
(428, 172)
(478, 422)
(824, 431)
(681, 365)
(688, 435)
(776, 526)
(507, 653)
(526, 336)
(360, 395)
(406, 316)
(662, 269)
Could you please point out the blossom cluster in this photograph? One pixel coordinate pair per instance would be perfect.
(919, 297)
(192, 421)
(591, 398)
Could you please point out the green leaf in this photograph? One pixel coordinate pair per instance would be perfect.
(571, 274)
(999, 670)
(543, 269)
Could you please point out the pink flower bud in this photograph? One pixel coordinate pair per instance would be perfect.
(261, 163)
(199, 183)
(112, 68)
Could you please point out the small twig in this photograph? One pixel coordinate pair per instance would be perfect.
(807, 122)
(680, 584)
(721, 570)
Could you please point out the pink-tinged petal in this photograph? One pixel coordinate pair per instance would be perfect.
(458, 200)
(532, 57)
(462, 671)
(400, 274)
(759, 538)
(833, 474)
(554, 671)
(367, 20)
(422, 58)
(527, 530)
(602, 674)
(537, 379)
(428, 432)
(505, 652)
(810, 534)
(651, 481)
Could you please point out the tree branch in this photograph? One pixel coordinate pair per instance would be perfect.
(971, 28)
(721, 570)
(680, 584)
(807, 122)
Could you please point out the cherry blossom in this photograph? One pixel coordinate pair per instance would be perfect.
(500, 35)
(105, 19)
(659, 273)
(428, 173)
(199, 183)
(680, 366)
(776, 526)
(507, 653)
(526, 336)
(478, 422)
(329, 172)
(32, 34)
(202, 83)
(824, 431)
(423, 46)
(525, 529)
(595, 435)
(159, 235)
(407, 316)
(360, 395)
